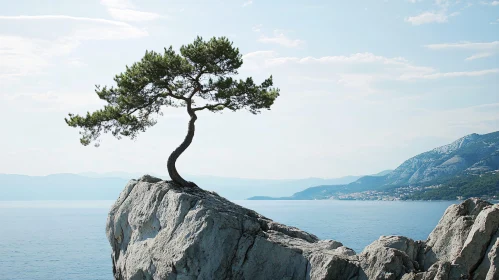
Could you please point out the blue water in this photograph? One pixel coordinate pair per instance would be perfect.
(45, 240)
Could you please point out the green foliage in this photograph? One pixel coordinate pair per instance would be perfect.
(471, 185)
(201, 73)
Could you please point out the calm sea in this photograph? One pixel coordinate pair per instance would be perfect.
(44, 240)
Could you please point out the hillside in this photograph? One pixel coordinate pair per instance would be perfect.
(455, 168)
(319, 192)
(473, 153)
(470, 185)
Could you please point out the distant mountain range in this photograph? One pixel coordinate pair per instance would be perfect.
(107, 186)
(462, 168)
(59, 187)
(462, 160)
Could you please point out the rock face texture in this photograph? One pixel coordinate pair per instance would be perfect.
(158, 230)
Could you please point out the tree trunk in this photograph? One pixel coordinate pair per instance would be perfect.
(172, 170)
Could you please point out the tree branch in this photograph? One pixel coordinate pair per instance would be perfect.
(196, 80)
(196, 90)
(211, 106)
(170, 93)
(154, 99)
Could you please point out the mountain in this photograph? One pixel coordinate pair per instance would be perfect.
(322, 191)
(107, 186)
(241, 188)
(461, 160)
(238, 188)
(472, 154)
(313, 193)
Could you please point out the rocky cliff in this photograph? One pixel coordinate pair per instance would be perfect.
(158, 230)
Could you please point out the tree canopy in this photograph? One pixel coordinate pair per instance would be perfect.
(200, 77)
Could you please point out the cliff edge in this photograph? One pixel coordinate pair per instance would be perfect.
(158, 230)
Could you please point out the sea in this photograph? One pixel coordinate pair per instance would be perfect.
(65, 240)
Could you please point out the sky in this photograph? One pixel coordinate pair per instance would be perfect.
(364, 85)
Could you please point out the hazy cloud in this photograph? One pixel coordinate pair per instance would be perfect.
(359, 68)
(281, 39)
(478, 55)
(257, 28)
(124, 10)
(486, 49)
(247, 3)
(26, 55)
(465, 46)
(453, 74)
(427, 17)
(440, 14)
(51, 101)
(65, 17)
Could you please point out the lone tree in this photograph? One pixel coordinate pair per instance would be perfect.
(199, 78)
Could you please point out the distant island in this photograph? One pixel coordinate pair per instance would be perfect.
(468, 167)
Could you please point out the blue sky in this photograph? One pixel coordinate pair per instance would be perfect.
(364, 84)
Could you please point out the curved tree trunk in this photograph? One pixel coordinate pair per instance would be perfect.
(172, 170)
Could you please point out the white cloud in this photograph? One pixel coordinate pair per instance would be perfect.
(271, 58)
(22, 56)
(452, 74)
(427, 17)
(477, 56)
(441, 15)
(493, 3)
(91, 28)
(64, 17)
(465, 46)
(247, 3)
(126, 11)
(120, 4)
(132, 15)
(451, 122)
(281, 39)
(75, 62)
(355, 70)
(257, 28)
(53, 101)
(443, 3)
(486, 49)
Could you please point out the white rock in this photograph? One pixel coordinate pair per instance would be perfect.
(158, 230)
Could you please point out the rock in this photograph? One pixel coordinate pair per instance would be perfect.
(163, 231)
(492, 260)
(159, 230)
(489, 266)
(476, 245)
(462, 244)
(390, 257)
(447, 239)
